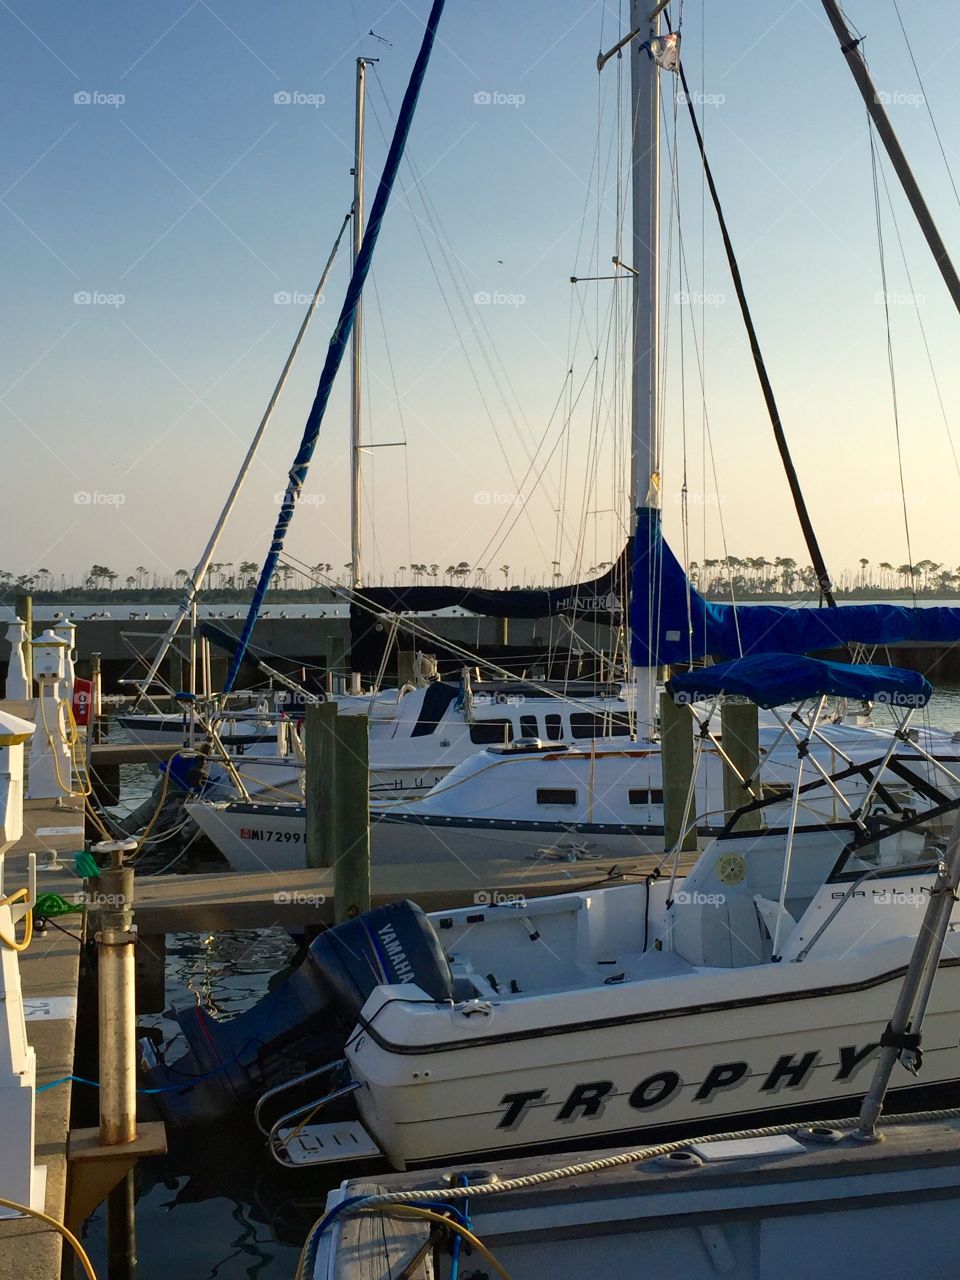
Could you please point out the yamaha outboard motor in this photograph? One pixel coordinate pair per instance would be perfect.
(301, 1025)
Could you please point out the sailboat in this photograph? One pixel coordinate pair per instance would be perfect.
(761, 980)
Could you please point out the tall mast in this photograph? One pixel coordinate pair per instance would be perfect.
(645, 174)
(356, 389)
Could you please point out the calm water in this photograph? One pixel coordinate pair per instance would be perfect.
(216, 1207)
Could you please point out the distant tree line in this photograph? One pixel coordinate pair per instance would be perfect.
(747, 577)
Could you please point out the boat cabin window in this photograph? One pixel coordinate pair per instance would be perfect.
(584, 724)
(554, 727)
(641, 795)
(490, 732)
(529, 727)
(557, 795)
(897, 852)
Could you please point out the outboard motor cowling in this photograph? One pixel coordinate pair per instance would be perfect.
(304, 1023)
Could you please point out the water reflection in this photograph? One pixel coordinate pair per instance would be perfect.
(216, 1206)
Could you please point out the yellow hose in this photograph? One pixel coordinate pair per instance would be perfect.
(12, 943)
(70, 1238)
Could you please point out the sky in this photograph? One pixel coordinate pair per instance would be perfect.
(173, 176)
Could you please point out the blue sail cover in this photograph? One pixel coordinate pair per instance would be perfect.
(774, 679)
(671, 622)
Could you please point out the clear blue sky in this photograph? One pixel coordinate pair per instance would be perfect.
(198, 198)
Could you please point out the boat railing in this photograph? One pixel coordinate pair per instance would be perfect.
(905, 869)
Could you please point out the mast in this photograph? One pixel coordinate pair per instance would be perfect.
(645, 175)
(850, 48)
(340, 339)
(356, 390)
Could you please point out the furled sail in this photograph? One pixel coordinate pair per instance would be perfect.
(671, 622)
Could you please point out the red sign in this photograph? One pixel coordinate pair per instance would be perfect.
(82, 700)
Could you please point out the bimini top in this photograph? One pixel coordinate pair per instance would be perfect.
(773, 679)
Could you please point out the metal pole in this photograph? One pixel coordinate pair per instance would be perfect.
(850, 48)
(116, 943)
(356, 387)
(911, 1006)
(645, 177)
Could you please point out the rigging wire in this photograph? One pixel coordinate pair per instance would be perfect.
(926, 103)
(874, 167)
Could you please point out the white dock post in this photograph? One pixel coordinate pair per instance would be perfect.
(18, 683)
(20, 1178)
(51, 775)
(116, 974)
(66, 631)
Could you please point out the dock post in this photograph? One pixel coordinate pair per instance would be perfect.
(116, 968)
(23, 609)
(406, 667)
(320, 729)
(676, 763)
(122, 1229)
(351, 870)
(740, 736)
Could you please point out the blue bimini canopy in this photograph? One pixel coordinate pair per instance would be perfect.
(775, 679)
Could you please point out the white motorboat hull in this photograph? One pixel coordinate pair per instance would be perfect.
(697, 1070)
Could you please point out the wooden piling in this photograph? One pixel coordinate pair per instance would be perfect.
(676, 762)
(351, 869)
(320, 730)
(406, 667)
(740, 736)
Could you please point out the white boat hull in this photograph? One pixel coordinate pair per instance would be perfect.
(607, 1083)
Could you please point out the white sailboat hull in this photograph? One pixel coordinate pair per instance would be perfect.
(254, 837)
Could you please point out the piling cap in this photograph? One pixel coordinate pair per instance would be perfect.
(50, 640)
(14, 730)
